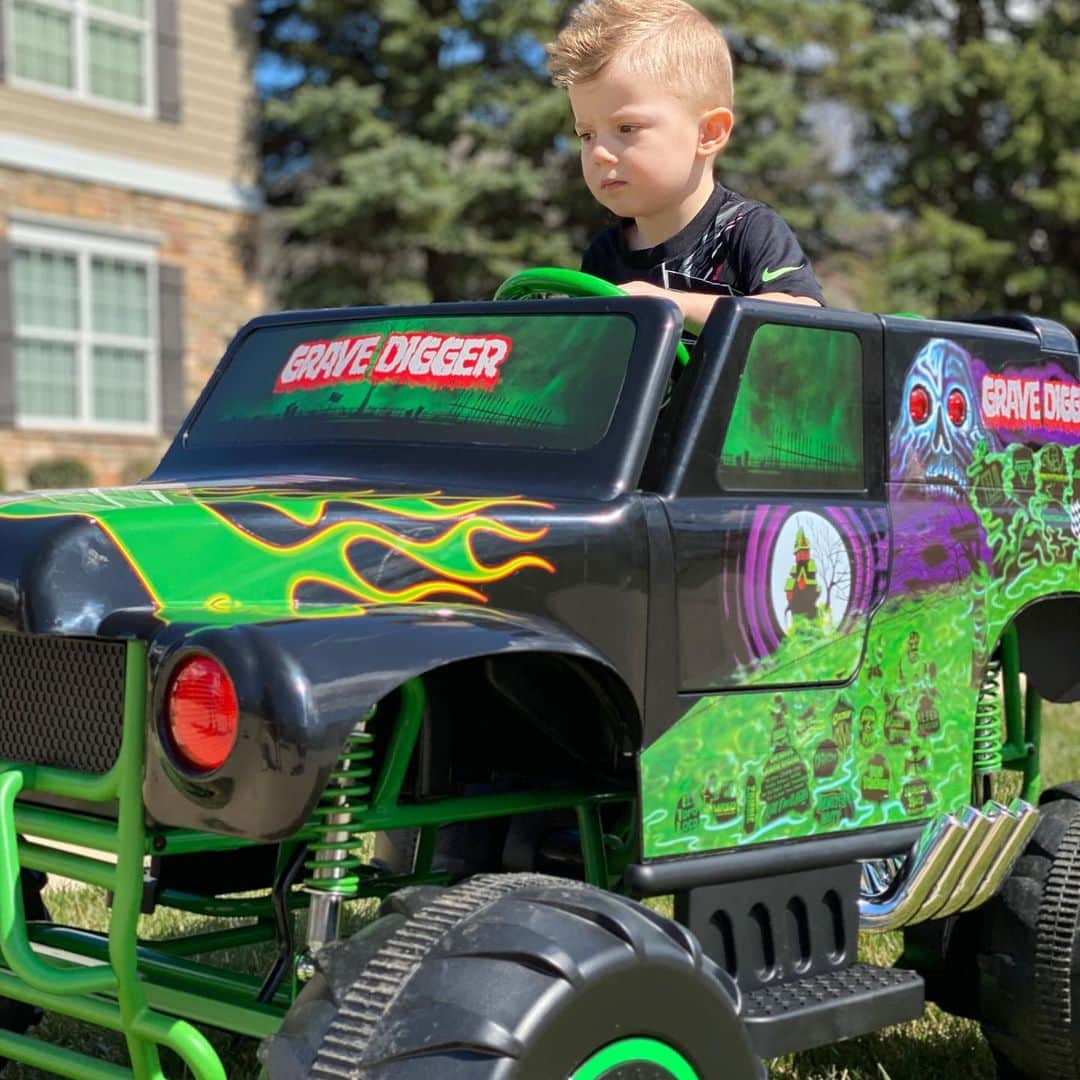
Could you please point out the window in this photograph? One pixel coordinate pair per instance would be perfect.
(797, 422)
(99, 50)
(488, 379)
(85, 332)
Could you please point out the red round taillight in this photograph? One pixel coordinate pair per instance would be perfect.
(201, 713)
(956, 406)
(919, 404)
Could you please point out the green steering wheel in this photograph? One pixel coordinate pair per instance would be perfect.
(554, 281)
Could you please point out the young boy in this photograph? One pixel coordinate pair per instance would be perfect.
(650, 85)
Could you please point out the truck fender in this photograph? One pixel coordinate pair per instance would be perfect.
(302, 686)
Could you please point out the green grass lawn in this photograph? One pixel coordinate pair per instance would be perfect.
(937, 1047)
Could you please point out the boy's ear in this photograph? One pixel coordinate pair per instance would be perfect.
(714, 130)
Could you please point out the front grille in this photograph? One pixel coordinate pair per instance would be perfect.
(61, 701)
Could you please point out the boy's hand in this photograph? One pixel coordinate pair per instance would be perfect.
(696, 307)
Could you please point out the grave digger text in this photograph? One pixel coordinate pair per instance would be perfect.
(416, 358)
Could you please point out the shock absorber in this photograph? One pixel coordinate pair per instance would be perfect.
(988, 722)
(332, 865)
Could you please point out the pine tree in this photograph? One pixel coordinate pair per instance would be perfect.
(970, 129)
(415, 149)
(793, 119)
(420, 155)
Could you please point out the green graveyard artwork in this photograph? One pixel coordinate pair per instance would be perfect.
(984, 518)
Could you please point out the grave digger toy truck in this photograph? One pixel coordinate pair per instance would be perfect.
(482, 581)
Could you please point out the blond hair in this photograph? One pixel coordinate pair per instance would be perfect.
(665, 39)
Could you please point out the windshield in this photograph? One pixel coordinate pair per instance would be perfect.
(544, 381)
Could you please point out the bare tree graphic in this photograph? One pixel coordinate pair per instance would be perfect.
(831, 558)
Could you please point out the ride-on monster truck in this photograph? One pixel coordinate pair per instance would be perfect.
(483, 581)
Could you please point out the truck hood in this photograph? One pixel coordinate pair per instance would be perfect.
(229, 553)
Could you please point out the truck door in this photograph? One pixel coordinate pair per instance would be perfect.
(778, 516)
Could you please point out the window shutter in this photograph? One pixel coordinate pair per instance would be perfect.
(7, 337)
(168, 62)
(171, 325)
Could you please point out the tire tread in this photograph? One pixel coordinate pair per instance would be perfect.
(1055, 941)
(366, 1003)
(1029, 932)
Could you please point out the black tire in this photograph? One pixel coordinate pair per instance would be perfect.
(511, 976)
(1029, 951)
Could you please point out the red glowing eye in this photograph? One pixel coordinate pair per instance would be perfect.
(201, 712)
(957, 407)
(919, 404)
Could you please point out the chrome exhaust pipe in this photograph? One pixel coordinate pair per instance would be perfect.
(957, 865)
(927, 862)
(1025, 818)
(977, 826)
(1001, 826)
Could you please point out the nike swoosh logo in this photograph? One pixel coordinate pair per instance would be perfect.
(772, 275)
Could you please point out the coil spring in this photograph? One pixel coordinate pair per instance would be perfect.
(988, 721)
(332, 866)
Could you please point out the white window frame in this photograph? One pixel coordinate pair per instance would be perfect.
(81, 12)
(85, 247)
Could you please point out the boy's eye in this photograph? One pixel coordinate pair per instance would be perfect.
(584, 136)
(627, 129)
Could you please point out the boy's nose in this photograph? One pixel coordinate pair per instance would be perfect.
(602, 155)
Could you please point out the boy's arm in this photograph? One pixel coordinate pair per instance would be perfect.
(696, 307)
(767, 260)
(785, 298)
(762, 250)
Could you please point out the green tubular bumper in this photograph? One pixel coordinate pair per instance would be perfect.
(109, 992)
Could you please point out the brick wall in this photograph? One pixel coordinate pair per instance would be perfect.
(213, 248)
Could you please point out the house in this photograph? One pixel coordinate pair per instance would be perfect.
(128, 213)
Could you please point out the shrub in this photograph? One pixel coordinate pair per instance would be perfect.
(60, 473)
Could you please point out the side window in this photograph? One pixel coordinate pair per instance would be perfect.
(797, 422)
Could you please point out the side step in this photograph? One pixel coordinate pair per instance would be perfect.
(829, 1006)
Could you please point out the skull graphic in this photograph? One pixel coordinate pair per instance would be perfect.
(939, 426)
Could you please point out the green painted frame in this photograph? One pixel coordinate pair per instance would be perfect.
(1023, 720)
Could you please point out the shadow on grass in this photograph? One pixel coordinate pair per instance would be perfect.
(937, 1047)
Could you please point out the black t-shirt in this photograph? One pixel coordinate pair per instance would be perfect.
(733, 247)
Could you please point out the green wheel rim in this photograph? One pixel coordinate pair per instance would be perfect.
(637, 1051)
(546, 280)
